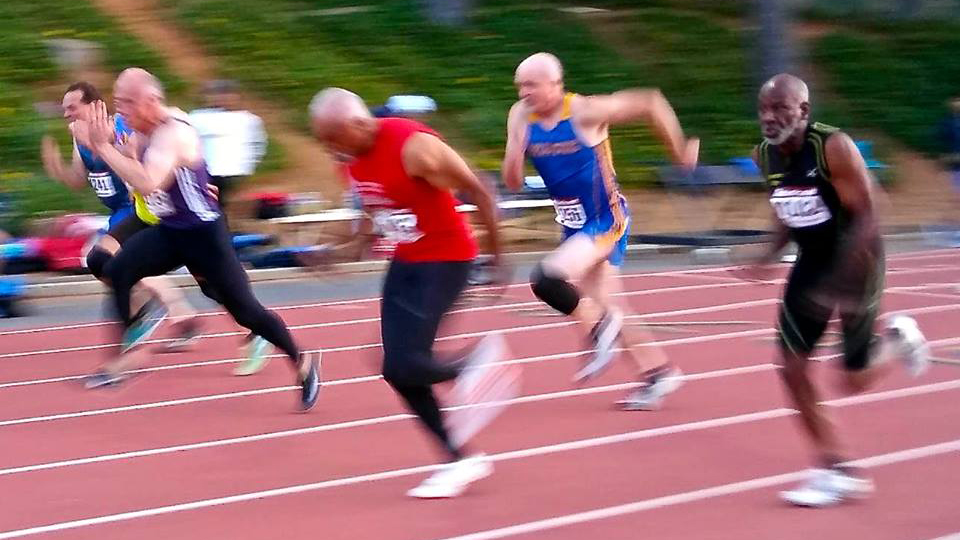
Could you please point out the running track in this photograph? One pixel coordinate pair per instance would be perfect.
(188, 451)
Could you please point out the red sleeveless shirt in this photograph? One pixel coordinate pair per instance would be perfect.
(410, 211)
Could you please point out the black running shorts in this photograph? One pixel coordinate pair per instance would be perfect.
(816, 287)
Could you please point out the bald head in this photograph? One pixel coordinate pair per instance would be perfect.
(784, 109)
(542, 66)
(139, 99)
(788, 86)
(539, 81)
(141, 81)
(337, 104)
(342, 122)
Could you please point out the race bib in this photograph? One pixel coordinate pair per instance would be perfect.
(799, 207)
(399, 226)
(160, 204)
(570, 213)
(102, 184)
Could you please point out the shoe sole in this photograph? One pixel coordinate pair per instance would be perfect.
(248, 367)
(146, 335)
(847, 498)
(452, 494)
(601, 361)
(116, 381)
(252, 366)
(180, 346)
(671, 383)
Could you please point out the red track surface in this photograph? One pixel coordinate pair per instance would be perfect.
(151, 460)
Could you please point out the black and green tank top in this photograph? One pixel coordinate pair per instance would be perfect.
(801, 191)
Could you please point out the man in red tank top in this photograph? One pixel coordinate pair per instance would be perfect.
(404, 174)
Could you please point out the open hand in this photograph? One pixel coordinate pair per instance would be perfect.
(101, 125)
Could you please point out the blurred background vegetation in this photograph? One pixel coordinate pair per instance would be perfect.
(881, 69)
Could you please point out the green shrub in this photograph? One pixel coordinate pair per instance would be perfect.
(897, 80)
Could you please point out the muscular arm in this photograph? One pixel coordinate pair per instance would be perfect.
(854, 185)
(427, 157)
(512, 169)
(159, 162)
(74, 176)
(640, 105)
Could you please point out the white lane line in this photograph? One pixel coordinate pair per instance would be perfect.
(708, 309)
(726, 489)
(371, 378)
(367, 320)
(915, 311)
(329, 303)
(700, 494)
(359, 423)
(923, 255)
(347, 322)
(353, 380)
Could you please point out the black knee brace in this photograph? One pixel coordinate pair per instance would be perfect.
(97, 259)
(555, 292)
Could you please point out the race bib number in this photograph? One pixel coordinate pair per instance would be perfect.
(160, 204)
(102, 184)
(399, 226)
(799, 207)
(570, 213)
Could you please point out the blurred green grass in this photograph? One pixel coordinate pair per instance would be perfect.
(892, 77)
(26, 73)
(390, 49)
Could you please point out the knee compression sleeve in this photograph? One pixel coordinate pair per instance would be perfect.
(555, 292)
(97, 259)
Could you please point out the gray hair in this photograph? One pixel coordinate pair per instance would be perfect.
(338, 104)
(145, 80)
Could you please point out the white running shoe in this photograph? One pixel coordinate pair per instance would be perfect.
(649, 397)
(489, 351)
(913, 345)
(828, 487)
(483, 389)
(453, 478)
(604, 342)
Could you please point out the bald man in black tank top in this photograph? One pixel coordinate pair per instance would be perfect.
(823, 200)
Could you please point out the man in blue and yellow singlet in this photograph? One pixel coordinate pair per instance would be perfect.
(126, 218)
(86, 168)
(565, 136)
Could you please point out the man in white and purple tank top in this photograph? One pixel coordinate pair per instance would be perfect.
(185, 202)
(170, 172)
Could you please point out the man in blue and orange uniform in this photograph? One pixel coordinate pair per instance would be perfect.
(823, 199)
(166, 165)
(565, 136)
(404, 174)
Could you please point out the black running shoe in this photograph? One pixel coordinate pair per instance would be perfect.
(310, 385)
